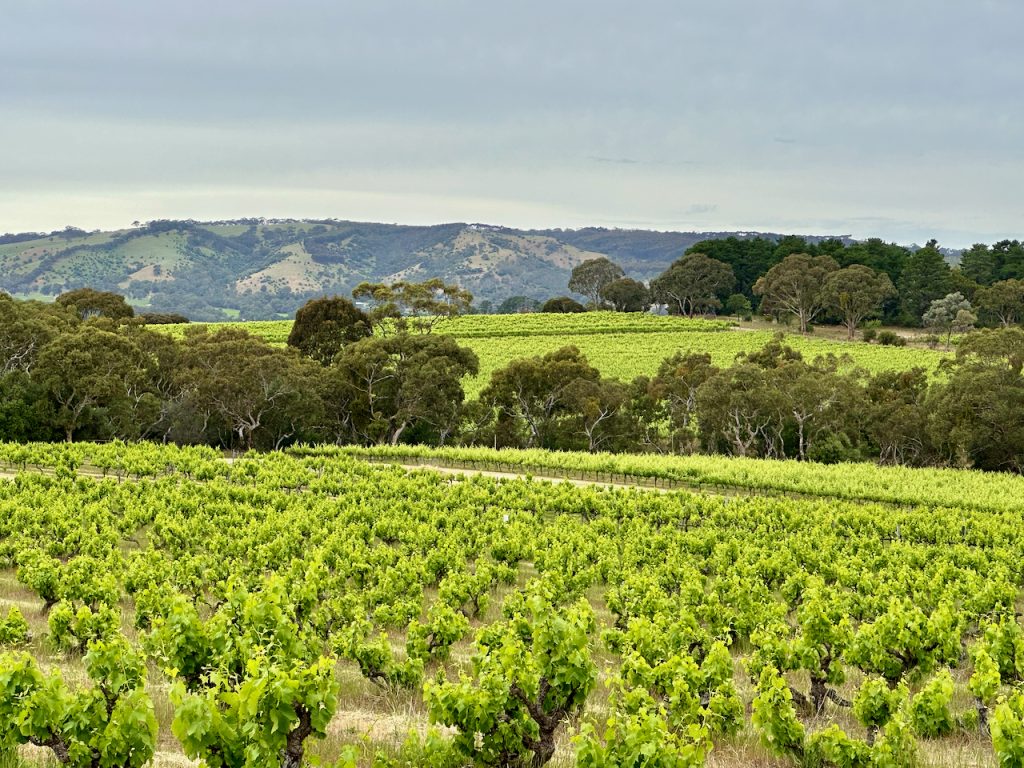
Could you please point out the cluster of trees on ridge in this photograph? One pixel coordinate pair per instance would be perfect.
(82, 368)
(794, 280)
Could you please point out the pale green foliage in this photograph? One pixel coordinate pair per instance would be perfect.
(930, 714)
(783, 733)
(638, 734)
(1004, 641)
(984, 683)
(529, 673)
(468, 593)
(904, 640)
(896, 748)
(73, 630)
(13, 629)
(775, 717)
(1008, 731)
(831, 746)
(876, 703)
(107, 725)
(431, 749)
(434, 639)
(376, 658)
(691, 694)
(41, 574)
(693, 582)
(251, 687)
(248, 722)
(825, 633)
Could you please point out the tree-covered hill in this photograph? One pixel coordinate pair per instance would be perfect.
(261, 269)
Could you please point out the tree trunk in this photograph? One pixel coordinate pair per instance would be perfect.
(57, 746)
(544, 748)
(817, 694)
(295, 747)
(397, 434)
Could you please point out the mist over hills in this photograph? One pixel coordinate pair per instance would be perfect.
(266, 268)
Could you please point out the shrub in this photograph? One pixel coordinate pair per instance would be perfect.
(738, 305)
(562, 304)
(929, 709)
(891, 339)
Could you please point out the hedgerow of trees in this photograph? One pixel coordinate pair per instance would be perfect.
(828, 281)
(384, 377)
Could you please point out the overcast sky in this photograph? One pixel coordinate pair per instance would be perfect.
(902, 119)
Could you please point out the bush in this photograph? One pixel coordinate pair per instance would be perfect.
(14, 629)
(562, 304)
(160, 318)
(929, 709)
(869, 334)
(891, 339)
(72, 630)
(833, 449)
(738, 305)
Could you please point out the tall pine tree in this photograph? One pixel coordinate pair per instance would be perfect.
(925, 277)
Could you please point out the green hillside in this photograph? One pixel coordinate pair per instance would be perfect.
(265, 269)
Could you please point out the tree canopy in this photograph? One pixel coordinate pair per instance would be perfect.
(323, 326)
(562, 304)
(420, 306)
(925, 277)
(693, 284)
(856, 293)
(796, 286)
(92, 303)
(627, 295)
(591, 276)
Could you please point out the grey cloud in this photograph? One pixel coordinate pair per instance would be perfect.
(788, 111)
(615, 160)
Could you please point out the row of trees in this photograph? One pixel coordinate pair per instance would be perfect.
(770, 403)
(349, 376)
(72, 373)
(810, 281)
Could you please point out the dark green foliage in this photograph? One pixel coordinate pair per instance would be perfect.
(593, 276)
(627, 295)
(562, 304)
(383, 388)
(693, 284)
(91, 303)
(738, 305)
(161, 318)
(1002, 302)
(515, 304)
(925, 277)
(890, 338)
(749, 258)
(323, 326)
(796, 287)
(876, 254)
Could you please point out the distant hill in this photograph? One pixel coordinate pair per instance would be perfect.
(262, 269)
